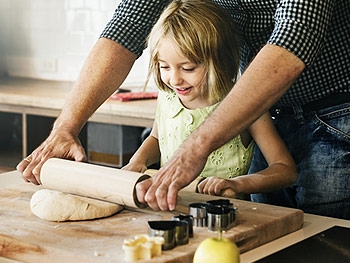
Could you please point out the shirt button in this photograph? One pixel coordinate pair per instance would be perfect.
(188, 119)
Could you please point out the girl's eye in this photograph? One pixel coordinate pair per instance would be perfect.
(188, 69)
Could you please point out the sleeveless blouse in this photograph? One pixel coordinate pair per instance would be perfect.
(176, 123)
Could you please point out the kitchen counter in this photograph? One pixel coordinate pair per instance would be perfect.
(46, 98)
(312, 225)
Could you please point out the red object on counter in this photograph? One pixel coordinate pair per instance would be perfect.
(126, 96)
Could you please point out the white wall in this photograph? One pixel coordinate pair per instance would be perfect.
(50, 39)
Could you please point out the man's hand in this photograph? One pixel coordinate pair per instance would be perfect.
(59, 144)
(160, 191)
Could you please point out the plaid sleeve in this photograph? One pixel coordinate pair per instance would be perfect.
(301, 26)
(132, 22)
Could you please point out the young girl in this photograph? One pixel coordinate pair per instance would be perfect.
(194, 59)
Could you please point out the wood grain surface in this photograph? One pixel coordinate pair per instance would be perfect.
(26, 238)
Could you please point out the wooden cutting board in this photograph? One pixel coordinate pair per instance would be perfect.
(26, 238)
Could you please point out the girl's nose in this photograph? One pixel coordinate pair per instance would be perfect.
(175, 78)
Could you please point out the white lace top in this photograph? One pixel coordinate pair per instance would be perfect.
(175, 123)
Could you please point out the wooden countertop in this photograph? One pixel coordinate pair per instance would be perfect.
(34, 93)
(256, 224)
(312, 225)
(46, 98)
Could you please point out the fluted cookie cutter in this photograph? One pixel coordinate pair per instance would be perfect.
(208, 214)
(221, 210)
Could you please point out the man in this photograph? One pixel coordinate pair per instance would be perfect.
(294, 60)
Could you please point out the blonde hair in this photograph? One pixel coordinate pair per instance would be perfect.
(205, 33)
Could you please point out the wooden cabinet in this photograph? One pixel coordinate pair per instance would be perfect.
(10, 140)
(106, 144)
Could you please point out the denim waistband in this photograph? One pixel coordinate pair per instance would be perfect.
(329, 101)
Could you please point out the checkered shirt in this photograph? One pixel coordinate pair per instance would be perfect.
(317, 31)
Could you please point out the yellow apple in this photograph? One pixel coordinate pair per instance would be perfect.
(216, 250)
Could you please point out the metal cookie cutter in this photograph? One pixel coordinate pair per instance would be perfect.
(181, 232)
(221, 214)
(173, 232)
(199, 213)
(188, 219)
(211, 212)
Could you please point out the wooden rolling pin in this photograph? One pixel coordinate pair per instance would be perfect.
(89, 180)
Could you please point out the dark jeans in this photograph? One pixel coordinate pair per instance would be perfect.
(320, 144)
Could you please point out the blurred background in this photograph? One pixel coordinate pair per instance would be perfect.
(50, 39)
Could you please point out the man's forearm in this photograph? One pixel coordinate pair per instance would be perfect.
(103, 72)
(268, 77)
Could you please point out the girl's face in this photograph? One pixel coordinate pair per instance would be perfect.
(186, 78)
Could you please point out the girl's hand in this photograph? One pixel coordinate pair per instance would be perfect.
(135, 167)
(218, 186)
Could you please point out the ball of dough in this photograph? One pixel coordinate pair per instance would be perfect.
(53, 205)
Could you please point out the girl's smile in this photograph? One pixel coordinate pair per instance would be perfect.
(183, 91)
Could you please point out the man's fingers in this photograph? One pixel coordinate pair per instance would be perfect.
(156, 196)
(173, 191)
(141, 189)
